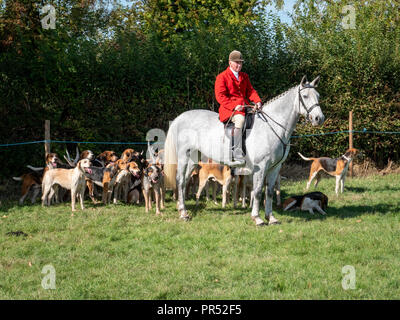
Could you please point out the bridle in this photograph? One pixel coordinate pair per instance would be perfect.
(301, 101)
(262, 114)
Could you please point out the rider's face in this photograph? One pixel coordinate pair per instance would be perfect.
(236, 65)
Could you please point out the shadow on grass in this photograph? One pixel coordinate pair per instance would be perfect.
(5, 205)
(211, 207)
(343, 212)
(355, 189)
(356, 211)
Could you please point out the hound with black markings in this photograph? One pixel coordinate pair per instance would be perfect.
(335, 167)
(308, 202)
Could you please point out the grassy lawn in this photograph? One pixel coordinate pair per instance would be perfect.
(120, 252)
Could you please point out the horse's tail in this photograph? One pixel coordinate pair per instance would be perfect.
(170, 159)
(304, 158)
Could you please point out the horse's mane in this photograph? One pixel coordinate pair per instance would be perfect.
(278, 96)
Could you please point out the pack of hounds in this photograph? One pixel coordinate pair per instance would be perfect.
(134, 178)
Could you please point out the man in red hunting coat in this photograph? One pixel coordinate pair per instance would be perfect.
(233, 91)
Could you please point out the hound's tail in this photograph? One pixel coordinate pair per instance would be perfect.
(17, 178)
(304, 158)
(170, 159)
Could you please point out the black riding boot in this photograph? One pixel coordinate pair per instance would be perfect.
(237, 152)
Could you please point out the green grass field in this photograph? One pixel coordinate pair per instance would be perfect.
(120, 252)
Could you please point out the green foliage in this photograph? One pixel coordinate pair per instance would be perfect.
(359, 67)
(111, 73)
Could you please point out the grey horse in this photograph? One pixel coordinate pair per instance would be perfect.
(267, 144)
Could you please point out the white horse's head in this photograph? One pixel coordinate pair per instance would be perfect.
(309, 101)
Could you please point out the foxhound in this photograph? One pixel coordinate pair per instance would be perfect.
(335, 167)
(70, 179)
(34, 179)
(217, 172)
(152, 180)
(308, 202)
(122, 182)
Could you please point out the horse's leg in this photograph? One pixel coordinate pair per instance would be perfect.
(258, 180)
(269, 194)
(183, 159)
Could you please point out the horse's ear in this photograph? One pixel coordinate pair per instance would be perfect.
(303, 81)
(315, 82)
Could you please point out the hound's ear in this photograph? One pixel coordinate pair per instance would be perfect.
(303, 81)
(315, 82)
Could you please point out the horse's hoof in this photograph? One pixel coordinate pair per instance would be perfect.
(185, 218)
(262, 224)
(270, 223)
(258, 221)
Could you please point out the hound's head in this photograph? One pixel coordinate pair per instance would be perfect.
(107, 157)
(308, 101)
(87, 154)
(127, 155)
(52, 160)
(84, 166)
(134, 169)
(324, 202)
(121, 164)
(351, 152)
(153, 173)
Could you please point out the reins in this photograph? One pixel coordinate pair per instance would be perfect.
(263, 115)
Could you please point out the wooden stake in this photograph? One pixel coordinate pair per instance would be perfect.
(351, 139)
(47, 137)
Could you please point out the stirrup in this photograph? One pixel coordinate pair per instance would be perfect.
(243, 171)
(237, 163)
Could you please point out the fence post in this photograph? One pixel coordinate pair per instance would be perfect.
(47, 137)
(351, 139)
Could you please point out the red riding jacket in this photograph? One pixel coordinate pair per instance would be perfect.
(230, 92)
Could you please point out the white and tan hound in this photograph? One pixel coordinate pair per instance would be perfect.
(217, 172)
(34, 179)
(70, 179)
(335, 167)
